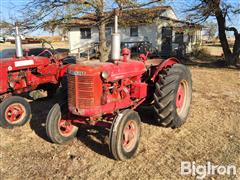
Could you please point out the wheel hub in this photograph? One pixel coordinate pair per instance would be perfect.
(129, 135)
(65, 127)
(15, 113)
(181, 97)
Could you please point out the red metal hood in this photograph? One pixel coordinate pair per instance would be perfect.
(116, 71)
(14, 64)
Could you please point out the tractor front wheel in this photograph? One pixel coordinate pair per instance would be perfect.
(172, 97)
(14, 111)
(125, 135)
(58, 129)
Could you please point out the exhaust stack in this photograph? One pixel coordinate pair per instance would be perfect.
(116, 39)
(18, 43)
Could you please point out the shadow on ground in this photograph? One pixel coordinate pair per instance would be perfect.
(95, 138)
(209, 62)
(40, 109)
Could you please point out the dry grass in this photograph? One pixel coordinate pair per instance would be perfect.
(212, 133)
(55, 45)
(213, 50)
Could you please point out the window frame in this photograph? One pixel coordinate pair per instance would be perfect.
(177, 37)
(132, 33)
(87, 33)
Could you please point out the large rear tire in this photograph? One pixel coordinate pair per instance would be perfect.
(59, 130)
(14, 111)
(125, 135)
(173, 95)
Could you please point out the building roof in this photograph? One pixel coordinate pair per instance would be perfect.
(129, 17)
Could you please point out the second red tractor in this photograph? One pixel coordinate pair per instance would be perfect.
(23, 73)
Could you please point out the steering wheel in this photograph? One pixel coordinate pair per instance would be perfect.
(45, 44)
(50, 50)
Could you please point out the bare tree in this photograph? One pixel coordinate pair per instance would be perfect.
(42, 14)
(223, 11)
(6, 27)
(211, 29)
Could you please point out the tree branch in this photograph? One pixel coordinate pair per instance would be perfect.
(236, 34)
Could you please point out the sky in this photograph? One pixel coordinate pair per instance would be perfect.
(9, 8)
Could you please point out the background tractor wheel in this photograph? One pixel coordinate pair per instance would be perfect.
(173, 95)
(58, 129)
(125, 135)
(14, 111)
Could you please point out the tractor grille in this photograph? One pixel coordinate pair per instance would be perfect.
(80, 91)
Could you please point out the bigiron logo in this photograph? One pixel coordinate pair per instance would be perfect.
(207, 170)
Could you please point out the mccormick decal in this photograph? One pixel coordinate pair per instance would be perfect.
(24, 63)
(77, 73)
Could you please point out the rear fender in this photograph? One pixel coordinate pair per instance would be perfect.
(165, 64)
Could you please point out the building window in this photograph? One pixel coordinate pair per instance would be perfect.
(134, 31)
(85, 33)
(179, 37)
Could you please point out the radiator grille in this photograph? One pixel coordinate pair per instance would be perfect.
(81, 91)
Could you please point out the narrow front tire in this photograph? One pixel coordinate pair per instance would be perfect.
(58, 129)
(125, 135)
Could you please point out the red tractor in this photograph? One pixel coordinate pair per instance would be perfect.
(25, 73)
(107, 94)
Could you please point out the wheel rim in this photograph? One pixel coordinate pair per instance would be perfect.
(15, 113)
(181, 97)
(65, 127)
(130, 133)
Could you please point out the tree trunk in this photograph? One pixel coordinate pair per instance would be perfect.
(236, 46)
(103, 50)
(236, 49)
(229, 58)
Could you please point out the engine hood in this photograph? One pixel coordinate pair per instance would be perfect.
(14, 64)
(115, 71)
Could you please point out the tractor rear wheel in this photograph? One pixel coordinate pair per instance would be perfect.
(125, 135)
(173, 95)
(14, 111)
(58, 129)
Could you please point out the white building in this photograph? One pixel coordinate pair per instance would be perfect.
(159, 25)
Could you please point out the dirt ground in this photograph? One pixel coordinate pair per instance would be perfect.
(211, 133)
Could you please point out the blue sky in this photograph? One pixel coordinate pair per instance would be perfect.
(8, 8)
